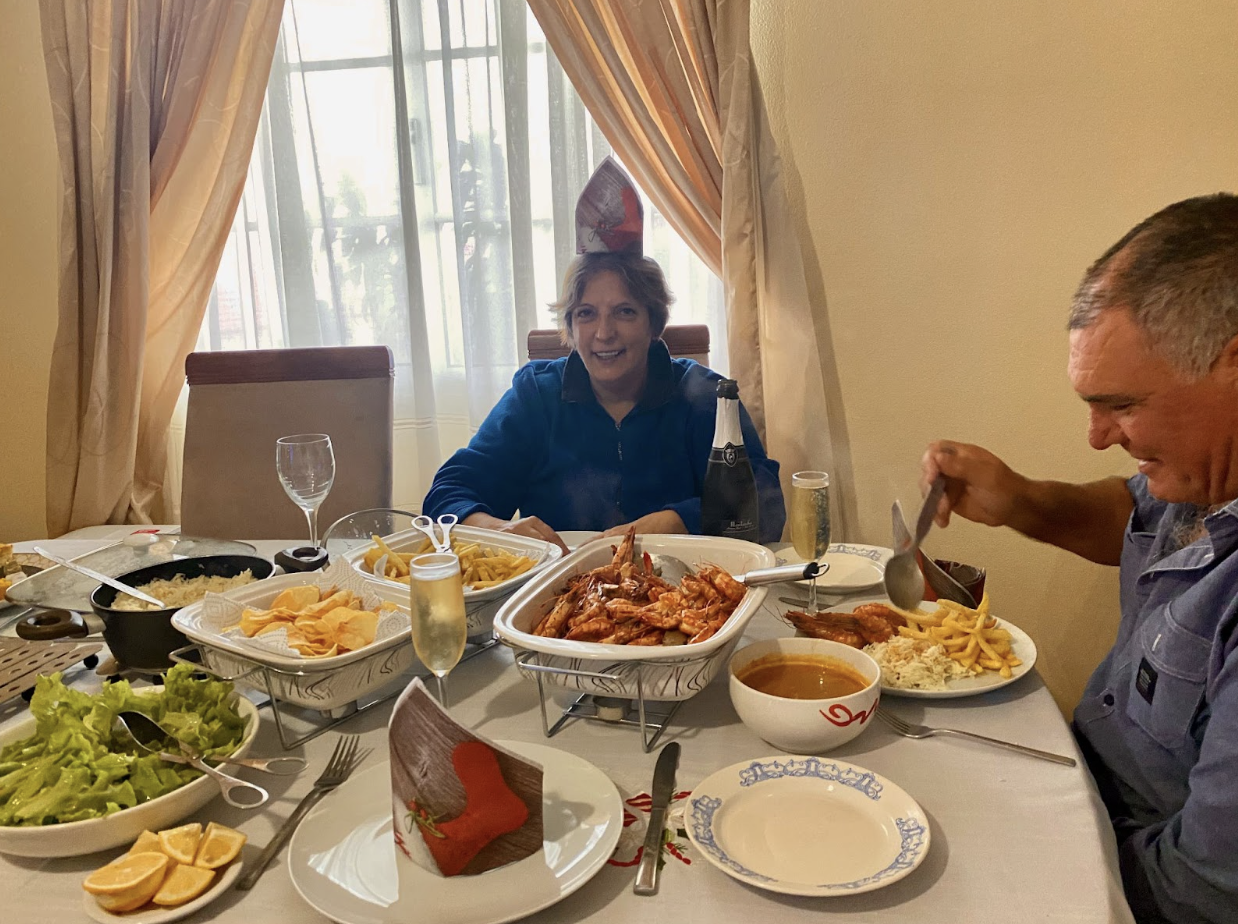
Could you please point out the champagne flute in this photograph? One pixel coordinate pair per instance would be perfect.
(436, 601)
(306, 466)
(810, 520)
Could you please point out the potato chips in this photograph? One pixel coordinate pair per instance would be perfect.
(480, 567)
(319, 624)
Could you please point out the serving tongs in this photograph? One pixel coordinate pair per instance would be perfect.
(153, 738)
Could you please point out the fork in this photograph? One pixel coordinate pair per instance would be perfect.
(907, 730)
(344, 760)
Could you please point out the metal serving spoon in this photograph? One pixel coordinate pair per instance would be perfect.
(151, 737)
(945, 586)
(673, 570)
(904, 582)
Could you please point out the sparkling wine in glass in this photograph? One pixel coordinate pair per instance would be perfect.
(810, 520)
(436, 601)
(306, 466)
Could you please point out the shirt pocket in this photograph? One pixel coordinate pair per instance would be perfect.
(1179, 660)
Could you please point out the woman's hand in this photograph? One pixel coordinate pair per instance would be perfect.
(525, 526)
(663, 521)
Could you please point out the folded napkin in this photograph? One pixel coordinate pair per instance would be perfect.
(462, 805)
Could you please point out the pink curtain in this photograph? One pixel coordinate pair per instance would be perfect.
(155, 105)
(671, 85)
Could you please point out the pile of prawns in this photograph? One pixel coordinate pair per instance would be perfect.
(625, 603)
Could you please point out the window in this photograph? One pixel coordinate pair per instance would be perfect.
(428, 207)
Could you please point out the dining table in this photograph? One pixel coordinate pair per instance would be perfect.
(1012, 838)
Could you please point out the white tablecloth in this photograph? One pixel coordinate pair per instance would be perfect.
(1013, 838)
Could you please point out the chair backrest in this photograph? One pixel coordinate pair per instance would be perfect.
(241, 402)
(688, 340)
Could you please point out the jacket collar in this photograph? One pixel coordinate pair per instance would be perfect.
(659, 386)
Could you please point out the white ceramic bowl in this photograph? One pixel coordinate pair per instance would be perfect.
(480, 606)
(667, 673)
(75, 838)
(806, 726)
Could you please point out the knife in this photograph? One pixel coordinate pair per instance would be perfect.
(663, 789)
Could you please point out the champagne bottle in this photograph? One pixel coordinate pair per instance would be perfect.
(729, 497)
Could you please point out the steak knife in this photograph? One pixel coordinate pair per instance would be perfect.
(662, 791)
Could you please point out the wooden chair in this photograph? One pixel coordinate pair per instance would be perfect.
(241, 402)
(688, 340)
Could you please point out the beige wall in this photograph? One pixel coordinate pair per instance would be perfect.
(28, 178)
(953, 168)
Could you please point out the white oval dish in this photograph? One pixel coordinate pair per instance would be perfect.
(807, 826)
(159, 915)
(75, 838)
(1020, 643)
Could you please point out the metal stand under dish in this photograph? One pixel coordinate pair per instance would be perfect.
(264, 678)
(652, 717)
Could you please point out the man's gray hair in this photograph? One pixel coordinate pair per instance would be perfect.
(1177, 274)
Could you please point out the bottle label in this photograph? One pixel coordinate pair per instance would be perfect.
(729, 455)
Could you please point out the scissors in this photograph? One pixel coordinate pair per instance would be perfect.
(445, 522)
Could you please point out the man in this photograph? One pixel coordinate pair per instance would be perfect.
(1154, 353)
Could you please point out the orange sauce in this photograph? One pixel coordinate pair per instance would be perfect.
(801, 677)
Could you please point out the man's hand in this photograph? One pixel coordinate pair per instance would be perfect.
(525, 526)
(979, 485)
(663, 521)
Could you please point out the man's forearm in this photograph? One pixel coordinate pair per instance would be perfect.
(1087, 519)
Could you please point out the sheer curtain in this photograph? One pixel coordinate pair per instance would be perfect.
(428, 206)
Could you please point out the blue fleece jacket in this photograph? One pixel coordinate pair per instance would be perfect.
(549, 450)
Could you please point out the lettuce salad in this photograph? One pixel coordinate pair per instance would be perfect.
(75, 767)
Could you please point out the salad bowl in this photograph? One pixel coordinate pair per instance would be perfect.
(75, 838)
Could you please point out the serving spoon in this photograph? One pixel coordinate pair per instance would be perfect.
(151, 737)
(904, 582)
(673, 570)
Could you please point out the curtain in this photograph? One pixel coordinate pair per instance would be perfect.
(154, 103)
(414, 184)
(671, 84)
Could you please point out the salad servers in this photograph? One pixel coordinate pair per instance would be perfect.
(152, 737)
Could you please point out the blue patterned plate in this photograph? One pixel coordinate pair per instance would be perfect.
(807, 826)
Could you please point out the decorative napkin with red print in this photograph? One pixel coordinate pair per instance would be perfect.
(462, 805)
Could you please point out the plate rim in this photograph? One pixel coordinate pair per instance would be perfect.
(850, 774)
(162, 915)
(1019, 638)
(605, 847)
(879, 555)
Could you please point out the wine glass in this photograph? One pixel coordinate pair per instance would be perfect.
(436, 602)
(306, 466)
(810, 520)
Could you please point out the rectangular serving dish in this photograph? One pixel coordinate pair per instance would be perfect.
(480, 606)
(668, 673)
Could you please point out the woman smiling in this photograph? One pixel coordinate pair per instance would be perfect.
(617, 433)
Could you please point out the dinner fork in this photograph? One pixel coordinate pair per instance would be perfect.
(907, 730)
(344, 760)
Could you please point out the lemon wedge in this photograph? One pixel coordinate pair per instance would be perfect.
(183, 884)
(219, 846)
(147, 842)
(181, 843)
(129, 882)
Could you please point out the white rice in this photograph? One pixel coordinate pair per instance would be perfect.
(180, 590)
(915, 664)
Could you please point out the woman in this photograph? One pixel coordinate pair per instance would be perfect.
(617, 433)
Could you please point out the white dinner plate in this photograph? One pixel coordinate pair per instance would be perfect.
(153, 914)
(343, 859)
(852, 568)
(807, 826)
(1020, 643)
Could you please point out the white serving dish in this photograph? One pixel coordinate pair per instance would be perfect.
(480, 606)
(75, 838)
(668, 673)
(315, 683)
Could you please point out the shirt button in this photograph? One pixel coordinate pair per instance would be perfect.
(1107, 699)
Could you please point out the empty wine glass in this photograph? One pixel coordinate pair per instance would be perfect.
(306, 466)
(439, 623)
(810, 520)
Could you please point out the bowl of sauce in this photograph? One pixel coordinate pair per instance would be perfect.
(804, 695)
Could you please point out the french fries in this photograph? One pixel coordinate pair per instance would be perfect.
(969, 636)
(480, 567)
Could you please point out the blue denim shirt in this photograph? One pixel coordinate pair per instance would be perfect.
(550, 450)
(1159, 718)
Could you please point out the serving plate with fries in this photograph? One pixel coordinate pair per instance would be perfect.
(493, 566)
